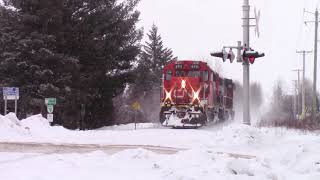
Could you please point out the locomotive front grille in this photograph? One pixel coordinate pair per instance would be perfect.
(181, 114)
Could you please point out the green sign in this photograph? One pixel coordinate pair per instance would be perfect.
(51, 101)
(50, 108)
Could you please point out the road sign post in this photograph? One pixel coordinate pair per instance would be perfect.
(10, 93)
(50, 118)
(50, 108)
(136, 107)
(50, 102)
(5, 105)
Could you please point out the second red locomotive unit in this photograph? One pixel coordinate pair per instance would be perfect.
(193, 94)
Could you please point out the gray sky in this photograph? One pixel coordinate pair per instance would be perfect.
(194, 28)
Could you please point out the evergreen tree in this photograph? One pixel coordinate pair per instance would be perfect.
(146, 87)
(103, 35)
(154, 54)
(31, 62)
(78, 51)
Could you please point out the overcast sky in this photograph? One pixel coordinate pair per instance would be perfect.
(194, 28)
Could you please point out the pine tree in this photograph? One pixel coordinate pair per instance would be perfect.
(155, 55)
(104, 36)
(78, 51)
(31, 62)
(146, 87)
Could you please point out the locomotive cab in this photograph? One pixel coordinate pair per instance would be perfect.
(189, 94)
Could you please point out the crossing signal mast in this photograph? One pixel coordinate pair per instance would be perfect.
(245, 55)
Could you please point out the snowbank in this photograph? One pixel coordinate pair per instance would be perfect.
(10, 127)
(36, 123)
(143, 164)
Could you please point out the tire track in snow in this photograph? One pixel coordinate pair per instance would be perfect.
(79, 148)
(50, 148)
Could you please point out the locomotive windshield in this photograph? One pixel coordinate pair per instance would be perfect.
(181, 73)
(168, 75)
(194, 74)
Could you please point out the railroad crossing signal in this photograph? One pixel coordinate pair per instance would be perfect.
(252, 55)
(242, 54)
(224, 55)
(229, 55)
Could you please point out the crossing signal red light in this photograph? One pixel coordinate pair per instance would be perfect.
(252, 55)
(224, 55)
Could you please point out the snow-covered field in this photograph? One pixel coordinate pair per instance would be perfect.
(271, 153)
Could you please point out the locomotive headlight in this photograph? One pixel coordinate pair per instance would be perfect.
(183, 84)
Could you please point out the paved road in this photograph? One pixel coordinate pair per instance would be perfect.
(48, 148)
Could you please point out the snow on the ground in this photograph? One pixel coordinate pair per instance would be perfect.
(141, 164)
(280, 154)
(132, 126)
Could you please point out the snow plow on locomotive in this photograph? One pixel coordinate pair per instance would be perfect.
(192, 94)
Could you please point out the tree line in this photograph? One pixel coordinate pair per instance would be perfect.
(281, 112)
(86, 53)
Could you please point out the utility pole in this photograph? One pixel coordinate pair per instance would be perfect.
(246, 66)
(303, 103)
(314, 99)
(298, 88)
(314, 89)
(294, 97)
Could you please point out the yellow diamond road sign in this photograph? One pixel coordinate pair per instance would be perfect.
(136, 106)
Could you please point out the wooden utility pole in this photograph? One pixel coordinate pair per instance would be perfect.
(314, 93)
(298, 88)
(303, 103)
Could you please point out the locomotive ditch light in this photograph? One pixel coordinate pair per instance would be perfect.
(168, 96)
(196, 95)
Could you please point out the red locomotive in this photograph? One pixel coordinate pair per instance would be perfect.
(193, 94)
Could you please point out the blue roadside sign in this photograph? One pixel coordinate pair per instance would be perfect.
(11, 91)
